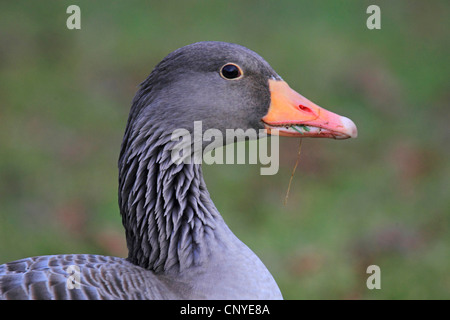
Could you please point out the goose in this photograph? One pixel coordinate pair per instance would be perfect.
(179, 246)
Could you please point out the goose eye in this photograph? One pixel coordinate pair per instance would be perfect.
(231, 71)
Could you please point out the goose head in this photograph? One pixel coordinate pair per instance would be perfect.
(227, 86)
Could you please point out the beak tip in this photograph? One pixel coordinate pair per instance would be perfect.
(350, 127)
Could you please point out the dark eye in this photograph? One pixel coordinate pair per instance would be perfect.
(231, 71)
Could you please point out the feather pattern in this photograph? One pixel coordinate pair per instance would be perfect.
(101, 278)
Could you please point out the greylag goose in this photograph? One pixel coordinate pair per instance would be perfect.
(179, 247)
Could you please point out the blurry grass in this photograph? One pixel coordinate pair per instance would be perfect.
(380, 199)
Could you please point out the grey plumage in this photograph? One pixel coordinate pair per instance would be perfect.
(179, 245)
(101, 278)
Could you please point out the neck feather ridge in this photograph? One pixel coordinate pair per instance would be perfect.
(166, 210)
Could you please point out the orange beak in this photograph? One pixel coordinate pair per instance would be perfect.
(291, 114)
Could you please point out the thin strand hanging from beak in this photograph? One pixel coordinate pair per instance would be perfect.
(293, 171)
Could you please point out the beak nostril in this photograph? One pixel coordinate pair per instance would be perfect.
(304, 108)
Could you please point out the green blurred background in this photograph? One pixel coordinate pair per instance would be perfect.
(382, 198)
